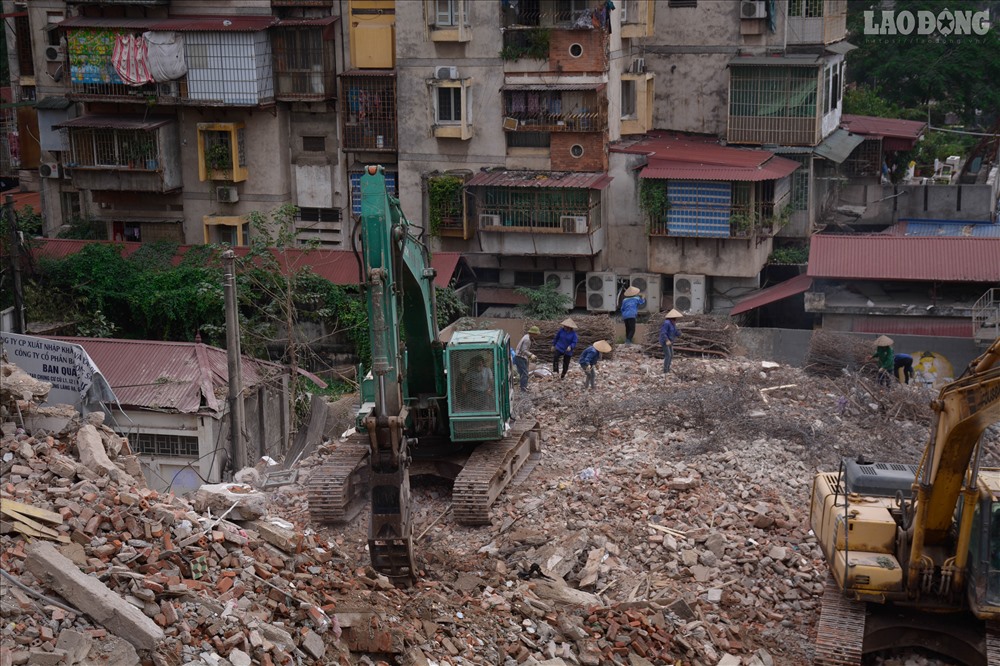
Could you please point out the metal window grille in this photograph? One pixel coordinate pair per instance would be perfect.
(321, 226)
(446, 12)
(529, 139)
(866, 159)
(229, 68)
(91, 72)
(113, 148)
(449, 105)
(314, 144)
(557, 111)
(628, 98)
(696, 209)
(473, 390)
(241, 146)
(369, 113)
(534, 209)
(22, 37)
(682, 3)
(167, 445)
(450, 212)
(773, 105)
(10, 144)
(355, 177)
(303, 63)
(800, 183)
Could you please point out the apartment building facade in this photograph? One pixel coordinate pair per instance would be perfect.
(173, 120)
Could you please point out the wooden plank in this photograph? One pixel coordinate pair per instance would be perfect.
(27, 531)
(34, 511)
(33, 524)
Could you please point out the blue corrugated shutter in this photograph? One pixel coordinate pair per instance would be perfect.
(699, 208)
(390, 184)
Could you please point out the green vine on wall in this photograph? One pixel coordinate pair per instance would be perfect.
(653, 199)
(445, 200)
(533, 44)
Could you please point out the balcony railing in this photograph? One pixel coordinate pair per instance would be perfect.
(751, 221)
(368, 112)
(544, 111)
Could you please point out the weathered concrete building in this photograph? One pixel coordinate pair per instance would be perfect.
(173, 120)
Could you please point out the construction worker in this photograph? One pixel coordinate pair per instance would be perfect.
(630, 308)
(562, 346)
(523, 355)
(668, 334)
(588, 361)
(903, 362)
(885, 357)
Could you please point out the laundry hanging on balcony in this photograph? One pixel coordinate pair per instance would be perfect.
(131, 61)
(165, 51)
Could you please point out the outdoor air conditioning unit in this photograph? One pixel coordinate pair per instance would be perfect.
(54, 53)
(486, 220)
(602, 292)
(510, 124)
(649, 285)
(573, 224)
(564, 282)
(690, 293)
(168, 89)
(753, 9)
(49, 170)
(446, 72)
(639, 66)
(227, 194)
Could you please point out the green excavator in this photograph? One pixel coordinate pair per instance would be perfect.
(427, 406)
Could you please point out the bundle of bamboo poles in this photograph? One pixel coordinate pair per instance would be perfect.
(700, 334)
(590, 329)
(831, 353)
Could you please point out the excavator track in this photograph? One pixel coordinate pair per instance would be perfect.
(336, 487)
(491, 468)
(841, 630)
(993, 644)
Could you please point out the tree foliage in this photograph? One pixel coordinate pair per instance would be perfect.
(957, 72)
(545, 302)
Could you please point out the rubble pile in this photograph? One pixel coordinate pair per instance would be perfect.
(667, 523)
(831, 354)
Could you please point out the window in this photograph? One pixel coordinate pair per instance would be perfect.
(449, 105)
(152, 444)
(576, 50)
(113, 149)
(773, 91)
(800, 184)
(231, 68)
(222, 152)
(805, 8)
(682, 3)
(576, 150)
(571, 10)
(22, 38)
(303, 63)
(320, 226)
(628, 99)
(445, 12)
(314, 144)
(368, 112)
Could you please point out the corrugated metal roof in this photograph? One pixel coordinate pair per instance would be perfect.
(841, 48)
(884, 127)
(561, 179)
(370, 72)
(780, 291)
(880, 257)
(326, 20)
(25, 199)
(552, 86)
(939, 327)
(776, 61)
(776, 167)
(183, 377)
(180, 23)
(838, 145)
(694, 149)
(117, 122)
(337, 266)
(944, 228)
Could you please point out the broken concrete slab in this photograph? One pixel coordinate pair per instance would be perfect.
(91, 596)
(75, 644)
(560, 592)
(219, 497)
(90, 446)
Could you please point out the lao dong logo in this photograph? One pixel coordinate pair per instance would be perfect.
(945, 22)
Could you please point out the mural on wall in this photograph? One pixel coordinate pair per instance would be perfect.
(932, 369)
(90, 54)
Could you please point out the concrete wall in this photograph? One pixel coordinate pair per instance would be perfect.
(740, 258)
(628, 242)
(976, 203)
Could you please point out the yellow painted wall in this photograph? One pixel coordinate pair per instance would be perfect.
(373, 34)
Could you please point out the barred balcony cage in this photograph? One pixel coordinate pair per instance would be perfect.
(536, 210)
(368, 112)
(556, 111)
(114, 149)
(303, 64)
(722, 209)
(774, 105)
(551, 13)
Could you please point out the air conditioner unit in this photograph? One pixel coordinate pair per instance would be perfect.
(753, 9)
(54, 53)
(573, 224)
(602, 292)
(227, 194)
(639, 66)
(168, 89)
(690, 293)
(564, 282)
(510, 124)
(49, 170)
(649, 285)
(486, 220)
(446, 72)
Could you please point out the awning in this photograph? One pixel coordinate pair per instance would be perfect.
(53, 103)
(778, 292)
(777, 61)
(772, 169)
(838, 145)
(540, 179)
(563, 87)
(842, 47)
(372, 73)
(175, 23)
(116, 122)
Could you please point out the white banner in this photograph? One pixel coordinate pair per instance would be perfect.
(75, 378)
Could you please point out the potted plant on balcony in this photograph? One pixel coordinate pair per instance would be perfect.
(218, 158)
(741, 223)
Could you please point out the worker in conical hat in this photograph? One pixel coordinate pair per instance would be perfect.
(522, 355)
(588, 361)
(630, 309)
(668, 335)
(885, 357)
(563, 345)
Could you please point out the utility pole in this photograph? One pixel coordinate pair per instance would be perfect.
(20, 326)
(234, 356)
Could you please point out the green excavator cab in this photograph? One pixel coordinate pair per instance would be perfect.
(478, 368)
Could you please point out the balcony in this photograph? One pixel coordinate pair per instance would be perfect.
(368, 111)
(561, 49)
(817, 21)
(775, 101)
(134, 3)
(705, 210)
(123, 153)
(304, 60)
(555, 108)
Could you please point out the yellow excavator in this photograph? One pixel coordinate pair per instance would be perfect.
(914, 550)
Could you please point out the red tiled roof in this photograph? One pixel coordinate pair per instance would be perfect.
(671, 155)
(24, 199)
(170, 376)
(561, 179)
(337, 266)
(780, 291)
(896, 134)
(880, 257)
